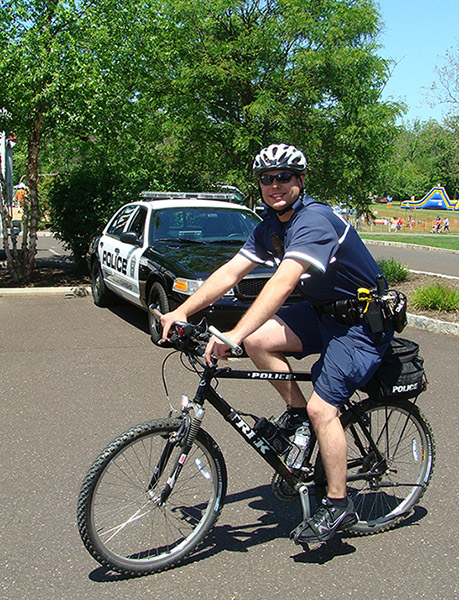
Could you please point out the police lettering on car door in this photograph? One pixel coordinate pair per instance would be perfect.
(115, 261)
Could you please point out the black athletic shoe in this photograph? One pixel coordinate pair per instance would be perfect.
(325, 522)
(290, 420)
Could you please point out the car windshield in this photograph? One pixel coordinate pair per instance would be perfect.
(202, 225)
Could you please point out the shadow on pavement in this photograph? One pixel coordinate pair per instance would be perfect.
(274, 522)
(133, 315)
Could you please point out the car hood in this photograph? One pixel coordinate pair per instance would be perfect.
(194, 260)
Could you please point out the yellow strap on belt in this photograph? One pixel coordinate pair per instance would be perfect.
(364, 295)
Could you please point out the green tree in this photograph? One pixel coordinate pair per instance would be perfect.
(426, 154)
(243, 74)
(67, 87)
(34, 74)
(183, 94)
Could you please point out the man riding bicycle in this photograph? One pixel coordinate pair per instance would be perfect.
(319, 253)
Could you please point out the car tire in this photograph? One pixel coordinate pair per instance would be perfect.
(101, 295)
(158, 298)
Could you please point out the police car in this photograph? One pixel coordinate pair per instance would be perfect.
(161, 249)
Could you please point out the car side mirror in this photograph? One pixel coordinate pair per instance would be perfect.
(129, 237)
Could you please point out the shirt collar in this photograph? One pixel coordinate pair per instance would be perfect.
(302, 202)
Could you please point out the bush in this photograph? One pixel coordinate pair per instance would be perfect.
(393, 270)
(80, 203)
(436, 297)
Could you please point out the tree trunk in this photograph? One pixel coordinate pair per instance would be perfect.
(12, 256)
(22, 263)
(31, 214)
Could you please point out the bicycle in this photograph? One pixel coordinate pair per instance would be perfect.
(154, 493)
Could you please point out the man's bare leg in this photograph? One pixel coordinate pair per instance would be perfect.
(332, 443)
(266, 346)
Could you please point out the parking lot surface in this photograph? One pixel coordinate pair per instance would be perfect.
(74, 376)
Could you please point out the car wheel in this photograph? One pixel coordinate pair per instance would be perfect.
(101, 295)
(158, 298)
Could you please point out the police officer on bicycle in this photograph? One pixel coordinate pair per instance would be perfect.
(319, 253)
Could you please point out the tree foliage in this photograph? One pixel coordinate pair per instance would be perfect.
(38, 82)
(446, 89)
(246, 74)
(91, 196)
(183, 94)
(425, 155)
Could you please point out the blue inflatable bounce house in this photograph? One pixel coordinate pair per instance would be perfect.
(437, 198)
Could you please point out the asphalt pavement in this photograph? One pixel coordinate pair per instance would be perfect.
(432, 260)
(73, 376)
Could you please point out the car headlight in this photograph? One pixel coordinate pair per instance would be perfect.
(186, 286)
(189, 286)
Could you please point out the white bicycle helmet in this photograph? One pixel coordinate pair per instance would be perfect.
(280, 156)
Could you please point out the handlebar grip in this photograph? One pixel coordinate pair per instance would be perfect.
(155, 312)
(238, 351)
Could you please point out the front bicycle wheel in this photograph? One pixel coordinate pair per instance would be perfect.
(384, 490)
(121, 521)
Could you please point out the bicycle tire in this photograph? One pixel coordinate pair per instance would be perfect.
(408, 447)
(120, 521)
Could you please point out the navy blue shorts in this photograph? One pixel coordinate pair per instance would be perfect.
(349, 355)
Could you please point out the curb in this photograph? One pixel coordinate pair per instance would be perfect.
(434, 274)
(410, 246)
(415, 321)
(434, 325)
(68, 292)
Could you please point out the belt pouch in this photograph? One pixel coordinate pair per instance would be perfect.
(345, 312)
(374, 318)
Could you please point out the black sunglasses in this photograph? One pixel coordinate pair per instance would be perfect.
(283, 177)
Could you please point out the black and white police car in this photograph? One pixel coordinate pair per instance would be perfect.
(159, 250)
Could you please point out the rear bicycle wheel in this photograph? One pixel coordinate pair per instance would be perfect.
(120, 520)
(394, 485)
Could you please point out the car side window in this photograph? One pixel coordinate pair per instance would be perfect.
(118, 223)
(137, 225)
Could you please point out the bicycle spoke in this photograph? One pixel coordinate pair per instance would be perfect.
(385, 490)
(122, 523)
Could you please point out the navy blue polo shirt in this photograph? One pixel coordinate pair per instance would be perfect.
(315, 234)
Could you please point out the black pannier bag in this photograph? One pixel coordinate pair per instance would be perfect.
(401, 372)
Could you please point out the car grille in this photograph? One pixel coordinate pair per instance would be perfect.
(250, 287)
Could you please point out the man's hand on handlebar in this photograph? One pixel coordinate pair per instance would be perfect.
(218, 349)
(169, 319)
(219, 346)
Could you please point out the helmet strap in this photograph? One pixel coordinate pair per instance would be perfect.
(283, 210)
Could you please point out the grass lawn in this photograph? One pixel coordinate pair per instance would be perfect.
(435, 240)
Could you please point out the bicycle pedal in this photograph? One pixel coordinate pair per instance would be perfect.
(313, 546)
(310, 546)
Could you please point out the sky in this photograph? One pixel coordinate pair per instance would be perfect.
(417, 34)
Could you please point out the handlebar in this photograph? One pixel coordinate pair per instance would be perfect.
(237, 350)
(185, 334)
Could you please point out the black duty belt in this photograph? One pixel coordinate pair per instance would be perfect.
(353, 311)
(344, 311)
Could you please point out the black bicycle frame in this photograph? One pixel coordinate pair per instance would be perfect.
(233, 417)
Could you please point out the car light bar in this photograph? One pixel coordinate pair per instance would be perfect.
(185, 195)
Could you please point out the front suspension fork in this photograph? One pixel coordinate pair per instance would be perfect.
(191, 428)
